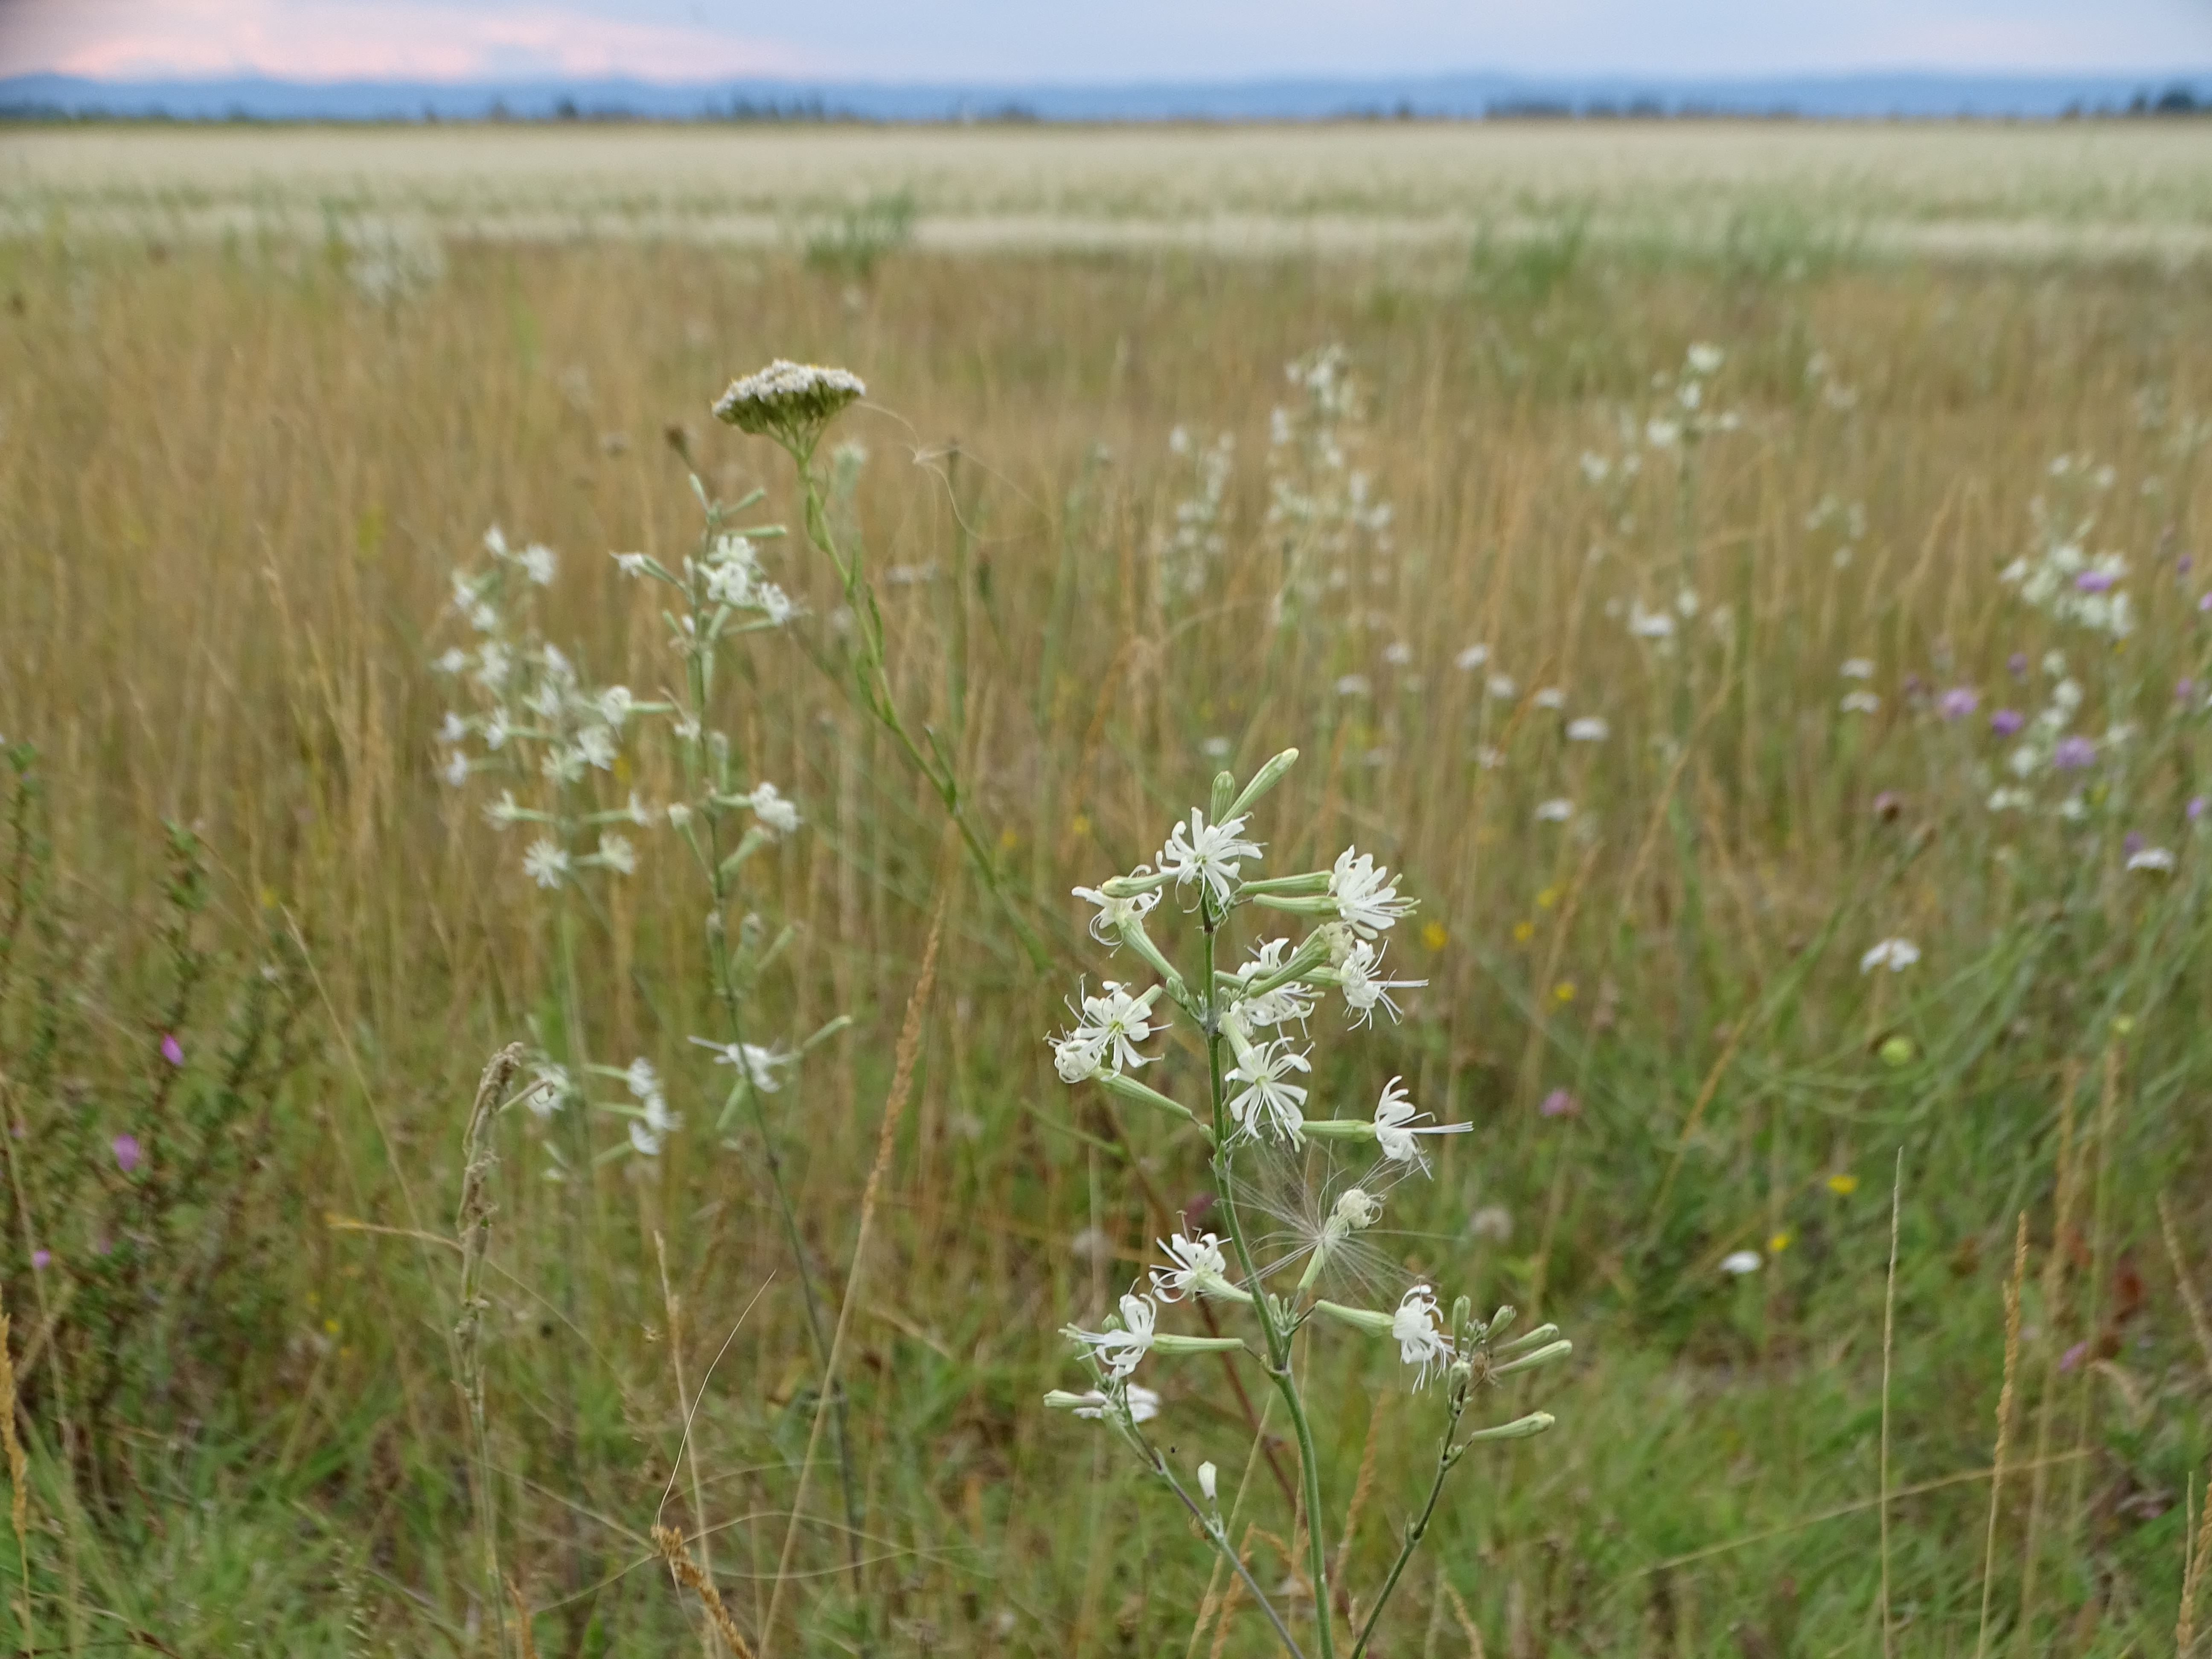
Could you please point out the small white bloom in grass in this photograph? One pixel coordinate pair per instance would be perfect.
(1418, 1328)
(1550, 697)
(494, 543)
(1121, 1022)
(679, 815)
(1199, 1267)
(640, 1078)
(788, 401)
(1269, 1101)
(1558, 810)
(1114, 913)
(1661, 434)
(562, 765)
(596, 744)
(453, 661)
(1360, 976)
(2155, 859)
(1501, 686)
(455, 771)
(761, 1066)
(550, 1085)
(1366, 897)
(617, 855)
(1208, 853)
(1737, 1263)
(775, 814)
(1704, 358)
(1473, 658)
(1398, 653)
(1119, 1350)
(1588, 728)
(630, 564)
(1353, 685)
(615, 704)
(546, 862)
(1143, 1403)
(538, 563)
(453, 729)
(1860, 703)
(503, 811)
(1208, 1478)
(1895, 954)
(1394, 1118)
(1356, 1210)
(639, 814)
(496, 732)
(1649, 624)
(1857, 668)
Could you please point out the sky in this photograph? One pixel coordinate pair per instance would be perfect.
(1058, 41)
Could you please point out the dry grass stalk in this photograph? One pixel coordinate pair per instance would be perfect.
(472, 1230)
(2005, 1424)
(1231, 1596)
(2054, 1270)
(908, 1054)
(1360, 1489)
(19, 1491)
(524, 1640)
(2185, 1285)
(683, 1405)
(2192, 1578)
(1467, 1627)
(669, 1543)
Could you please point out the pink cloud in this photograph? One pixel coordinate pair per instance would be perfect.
(348, 40)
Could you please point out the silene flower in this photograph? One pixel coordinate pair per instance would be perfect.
(1118, 1348)
(1558, 810)
(759, 1064)
(1269, 1101)
(1418, 1329)
(1364, 989)
(2156, 859)
(546, 862)
(1119, 1022)
(1394, 1118)
(1366, 897)
(1588, 728)
(617, 854)
(1115, 913)
(776, 815)
(1200, 1270)
(1857, 668)
(1143, 1404)
(1208, 853)
(1860, 703)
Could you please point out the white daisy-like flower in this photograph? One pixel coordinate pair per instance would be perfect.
(775, 814)
(1704, 358)
(455, 771)
(1895, 954)
(1269, 1101)
(597, 745)
(630, 564)
(1114, 913)
(1207, 852)
(1471, 658)
(617, 855)
(1588, 728)
(1359, 976)
(562, 765)
(453, 729)
(1551, 696)
(1119, 1350)
(1737, 1263)
(614, 705)
(1662, 433)
(2157, 859)
(1200, 1270)
(546, 862)
(1648, 624)
(1366, 897)
(640, 1078)
(1558, 810)
(1394, 1118)
(1502, 686)
(1418, 1326)
(538, 563)
(1860, 703)
(452, 662)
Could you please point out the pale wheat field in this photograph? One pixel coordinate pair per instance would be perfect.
(1748, 581)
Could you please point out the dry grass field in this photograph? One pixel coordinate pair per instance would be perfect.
(255, 947)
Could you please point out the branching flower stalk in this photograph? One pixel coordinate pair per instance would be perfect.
(1254, 1068)
(792, 405)
(724, 596)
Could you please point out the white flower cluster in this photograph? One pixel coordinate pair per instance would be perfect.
(789, 402)
(2061, 577)
(1197, 538)
(1324, 507)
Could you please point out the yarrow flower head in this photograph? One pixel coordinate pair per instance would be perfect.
(1207, 852)
(789, 402)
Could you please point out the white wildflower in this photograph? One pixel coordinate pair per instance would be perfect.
(1473, 658)
(1418, 1325)
(788, 401)
(1737, 1263)
(1366, 897)
(616, 853)
(1121, 1022)
(538, 563)
(1120, 1349)
(1501, 686)
(1200, 1268)
(2157, 859)
(1558, 810)
(1286, 1003)
(760, 1066)
(453, 729)
(1359, 976)
(1078, 1054)
(1860, 703)
(455, 771)
(504, 811)
(453, 661)
(630, 564)
(1210, 852)
(1895, 954)
(1394, 1118)
(1550, 697)
(546, 862)
(1269, 1102)
(1857, 668)
(1208, 1476)
(1115, 913)
(1705, 359)
(1588, 728)
(775, 814)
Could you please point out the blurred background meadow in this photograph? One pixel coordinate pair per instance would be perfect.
(1746, 577)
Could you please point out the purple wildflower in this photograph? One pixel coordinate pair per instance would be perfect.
(2094, 581)
(172, 1050)
(2132, 842)
(126, 1152)
(2196, 808)
(2073, 1356)
(2006, 721)
(2183, 565)
(2205, 603)
(1557, 1103)
(41, 1257)
(2072, 754)
(1958, 702)
(2184, 689)
(2016, 665)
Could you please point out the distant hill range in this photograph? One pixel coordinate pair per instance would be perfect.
(1860, 97)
